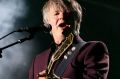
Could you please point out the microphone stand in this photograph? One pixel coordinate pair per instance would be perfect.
(7, 35)
(18, 41)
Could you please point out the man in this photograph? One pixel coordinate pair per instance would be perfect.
(69, 57)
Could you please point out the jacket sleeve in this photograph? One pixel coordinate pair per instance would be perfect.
(31, 71)
(96, 62)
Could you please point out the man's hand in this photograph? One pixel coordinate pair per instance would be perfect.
(42, 75)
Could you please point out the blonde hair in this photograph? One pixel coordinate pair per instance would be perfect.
(67, 5)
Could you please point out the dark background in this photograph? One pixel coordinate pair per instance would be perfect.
(101, 21)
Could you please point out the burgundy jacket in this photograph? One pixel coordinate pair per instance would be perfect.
(91, 62)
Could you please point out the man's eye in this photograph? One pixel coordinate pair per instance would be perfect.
(56, 13)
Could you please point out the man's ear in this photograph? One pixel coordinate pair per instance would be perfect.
(46, 23)
(47, 20)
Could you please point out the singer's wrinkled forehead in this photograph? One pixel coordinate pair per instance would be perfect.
(58, 5)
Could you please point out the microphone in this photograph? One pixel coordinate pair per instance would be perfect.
(34, 29)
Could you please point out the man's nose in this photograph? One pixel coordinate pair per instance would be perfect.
(62, 16)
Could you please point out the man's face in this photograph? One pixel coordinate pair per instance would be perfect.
(58, 20)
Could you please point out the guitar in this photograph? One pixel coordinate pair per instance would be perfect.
(56, 56)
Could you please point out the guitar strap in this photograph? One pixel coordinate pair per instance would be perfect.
(59, 71)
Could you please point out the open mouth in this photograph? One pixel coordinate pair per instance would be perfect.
(67, 30)
(64, 25)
